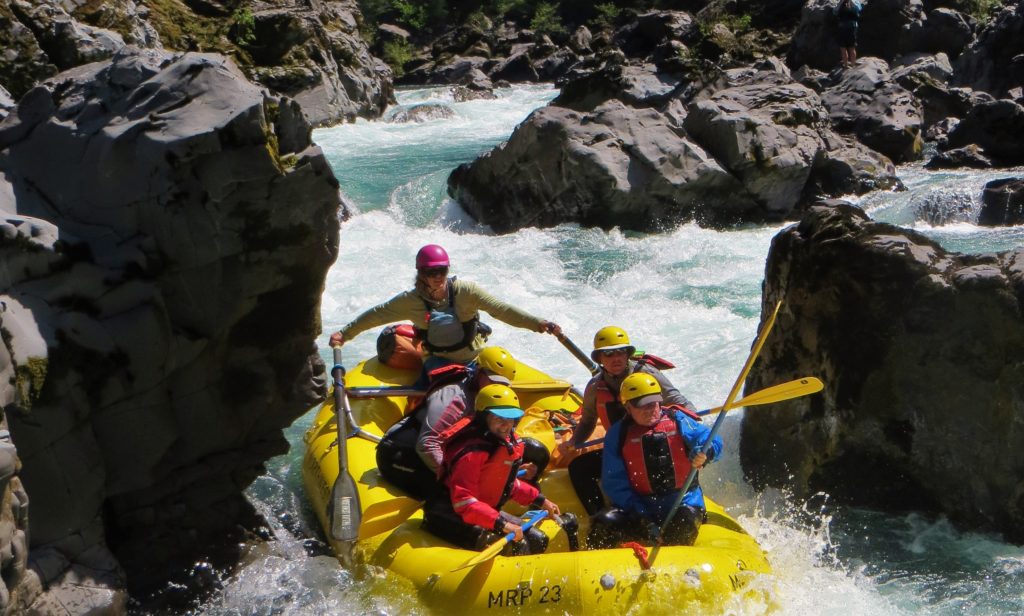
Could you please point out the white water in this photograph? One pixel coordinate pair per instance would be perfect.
(691, 295)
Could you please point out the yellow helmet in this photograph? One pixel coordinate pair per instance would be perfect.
(609, 338)
(499, 364)
(639, 386)
(500, 400)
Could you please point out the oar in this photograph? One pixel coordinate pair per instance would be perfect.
(578, 354)
(495, 548)
(345, 512)
(718, 424)
(776, 393)
(399, 391)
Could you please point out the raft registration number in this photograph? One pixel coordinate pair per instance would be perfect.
(521, 596)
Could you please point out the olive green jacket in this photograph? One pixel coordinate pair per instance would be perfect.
(470, 299)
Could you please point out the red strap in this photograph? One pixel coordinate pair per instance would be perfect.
(640, 552)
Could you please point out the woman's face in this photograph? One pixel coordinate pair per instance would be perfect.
(499, 426)
(435, 279)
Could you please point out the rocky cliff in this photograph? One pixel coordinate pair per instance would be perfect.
(919, 349)
(310, 51)
(166, 230)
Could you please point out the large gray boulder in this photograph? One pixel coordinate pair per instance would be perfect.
(168, 229)
(881, 113)
(919, 349)
(997, 126)
(994, 62)
(615, 166)
(23, 63)
(751, 146)
(67, 42)
(763, 131)
(313, 52)
(310, 51)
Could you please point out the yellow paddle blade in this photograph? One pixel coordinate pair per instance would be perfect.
(493, 550)
(777, 393)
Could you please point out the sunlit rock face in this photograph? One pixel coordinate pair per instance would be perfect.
(166, 230)
(919, 349)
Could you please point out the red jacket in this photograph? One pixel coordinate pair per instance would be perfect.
(481, 475)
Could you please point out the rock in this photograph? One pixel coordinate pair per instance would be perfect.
(616, 166)
(423, 112)
(461, 94)
(6, 103)
(994, 62)
(1002, 203)
(997, 126)
(23, 63)
(638, 86)
(756, 133)
(640, 37)
(580, 40)
(517, 67)
(883, 115)
(942, 31)
(393, 32)
(163, 343)
(969, 156)
(67, 42)
(906, 336)
(314, 53)
(936, 66)
(763, 131)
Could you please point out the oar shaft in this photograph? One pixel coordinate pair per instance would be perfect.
(579, 354)
(754, 352)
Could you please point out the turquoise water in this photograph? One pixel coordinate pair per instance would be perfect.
(691, 295)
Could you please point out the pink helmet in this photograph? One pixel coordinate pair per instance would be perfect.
(431, 255)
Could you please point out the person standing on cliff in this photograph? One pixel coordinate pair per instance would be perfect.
(848, 14)
(445, 312)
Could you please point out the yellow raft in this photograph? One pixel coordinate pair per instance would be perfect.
(724, 571)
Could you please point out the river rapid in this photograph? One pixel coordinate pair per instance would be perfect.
(689, 294)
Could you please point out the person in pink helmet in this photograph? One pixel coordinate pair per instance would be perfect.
(445, 312)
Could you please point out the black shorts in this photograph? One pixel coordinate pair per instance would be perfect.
(848, 35)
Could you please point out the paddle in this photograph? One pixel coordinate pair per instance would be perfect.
(495, 548)
(399, 391)
(578, 354)
(718, 424)
(345, 512)
(776, 393)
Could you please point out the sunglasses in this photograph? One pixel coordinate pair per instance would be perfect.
(613, 352)
(434, 272)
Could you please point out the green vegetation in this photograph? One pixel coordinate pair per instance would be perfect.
(981, 10)
(243, 26)
(607, 13)
(546, 21)
(29, 381)
(396, 54)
